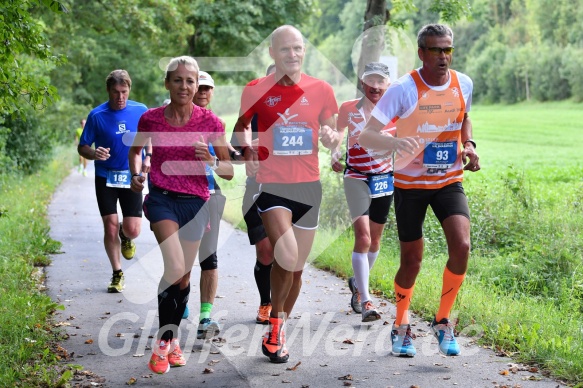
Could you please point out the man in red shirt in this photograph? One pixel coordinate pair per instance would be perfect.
(295, 111)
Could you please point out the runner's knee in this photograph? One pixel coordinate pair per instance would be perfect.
(209, 263)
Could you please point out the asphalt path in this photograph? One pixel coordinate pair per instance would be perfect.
(110, 335)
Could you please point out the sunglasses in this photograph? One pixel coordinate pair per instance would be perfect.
(439, 50)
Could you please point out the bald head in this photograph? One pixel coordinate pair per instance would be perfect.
(287, 51)
(285, 29)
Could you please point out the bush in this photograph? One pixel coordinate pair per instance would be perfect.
(27, 143)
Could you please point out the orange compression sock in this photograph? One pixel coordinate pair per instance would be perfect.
(403, 297)
(449, 291)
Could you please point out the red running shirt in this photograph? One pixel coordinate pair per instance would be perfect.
(289, 119)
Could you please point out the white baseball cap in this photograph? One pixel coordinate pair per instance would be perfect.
(205, 78)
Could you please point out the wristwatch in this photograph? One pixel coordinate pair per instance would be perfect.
(215, 164)
(234, 154)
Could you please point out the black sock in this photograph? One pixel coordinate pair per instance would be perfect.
(117, 272)
(263, 279)
(167, 306)
(182, 301)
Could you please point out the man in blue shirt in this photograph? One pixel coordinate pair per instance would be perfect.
(111, 127)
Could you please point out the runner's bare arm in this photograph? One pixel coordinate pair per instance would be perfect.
(225, 168)
(135, 162)
(336, 153)
(469, 156)
(372, 138)
(244, 137)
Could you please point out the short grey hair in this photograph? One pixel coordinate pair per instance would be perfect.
(433, 30)
(189, 62)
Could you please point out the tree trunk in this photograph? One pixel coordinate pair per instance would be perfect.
(373, 40)
(527, 86)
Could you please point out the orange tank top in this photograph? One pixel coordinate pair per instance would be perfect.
(437, 121)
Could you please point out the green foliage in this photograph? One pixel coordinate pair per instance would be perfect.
(526, 50)
(99, 37)
(27, 142)
(23, 41)
(324, 22)
(570, 69)
(336, 47)
(235, 28)
(451, 10)
(27, 336)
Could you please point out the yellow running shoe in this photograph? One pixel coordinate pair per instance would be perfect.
(117, 282)
(128, 247)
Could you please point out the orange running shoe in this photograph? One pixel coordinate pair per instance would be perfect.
(159, 361)
(175, 357)
(273, 345)
(263, 314)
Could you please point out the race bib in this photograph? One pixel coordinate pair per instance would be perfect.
(440, 155)
(290, 140)
(118, 178)
(380, 185)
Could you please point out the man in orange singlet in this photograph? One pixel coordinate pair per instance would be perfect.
(434, 146)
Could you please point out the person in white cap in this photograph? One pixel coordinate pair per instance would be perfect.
(368, 185)
(207, 253)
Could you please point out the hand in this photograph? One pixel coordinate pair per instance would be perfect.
(405, 145)
(201, 151)
(328, 137)
(470, 159)
(337, 166)
(101, 153)
(251, 161)
(146, 164)
(137, 183)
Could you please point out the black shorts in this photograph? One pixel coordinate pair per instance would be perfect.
(301, 199)
(107, 197)
(255, 229)
(189, 212)
(411, 207)
(361, 204)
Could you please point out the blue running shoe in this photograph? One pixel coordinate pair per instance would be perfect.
(443, 331)
(207, 329)
(186, 313)
(402, 341)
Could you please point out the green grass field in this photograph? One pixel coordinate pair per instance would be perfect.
(524, 291)
(530, 136)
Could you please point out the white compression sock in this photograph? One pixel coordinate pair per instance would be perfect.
(361, 270)
(372, 257)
